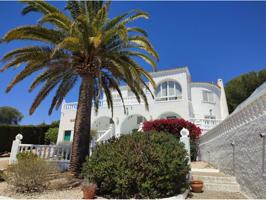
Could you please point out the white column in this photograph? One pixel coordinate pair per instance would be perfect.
(223, 101)
(140, 127)
(15, 149)
(185, 140)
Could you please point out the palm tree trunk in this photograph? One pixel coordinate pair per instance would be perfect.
(81, 139)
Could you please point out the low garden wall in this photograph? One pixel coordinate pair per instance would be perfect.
(237, 146)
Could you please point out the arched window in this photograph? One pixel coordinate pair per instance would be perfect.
(168, 90)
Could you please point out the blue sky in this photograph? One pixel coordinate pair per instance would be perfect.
(214, 39)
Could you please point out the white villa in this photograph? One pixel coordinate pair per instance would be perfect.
(176, 96)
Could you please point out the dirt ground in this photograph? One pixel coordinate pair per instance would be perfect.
(74, 193)
(3, 163)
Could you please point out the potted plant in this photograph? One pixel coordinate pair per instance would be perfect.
(196, 186)
(89, 190)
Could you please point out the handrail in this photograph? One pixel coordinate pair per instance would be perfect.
(107, 135)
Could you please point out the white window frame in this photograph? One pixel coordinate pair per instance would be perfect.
(208, 96)
(161, 97)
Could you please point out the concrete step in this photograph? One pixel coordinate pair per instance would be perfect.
(215, 179)
(225, 187)
(207, 170)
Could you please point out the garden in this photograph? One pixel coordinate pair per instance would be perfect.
(148, 164)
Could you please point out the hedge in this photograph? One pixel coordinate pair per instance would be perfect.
(31, 135)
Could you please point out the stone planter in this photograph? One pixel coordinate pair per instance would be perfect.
(196, 186)
(89, 190)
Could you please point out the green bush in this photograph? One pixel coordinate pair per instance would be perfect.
(51, 135)
(30, 173)
(31, 135)
(150, 165)
(26, 155)
(193, 150)
(2, 175)
(93, 134)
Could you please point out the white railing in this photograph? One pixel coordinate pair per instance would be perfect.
(100, 133)
(253, 108)
(118, 101)
(107, 134)
(205, 124)
(70, 106)
(58, 153)
(103, 103)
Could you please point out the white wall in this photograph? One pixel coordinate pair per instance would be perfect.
(200, 108)
(101, 123)
(184, 107)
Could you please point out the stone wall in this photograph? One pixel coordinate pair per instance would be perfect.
(236, 146)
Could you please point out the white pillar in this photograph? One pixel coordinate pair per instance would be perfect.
(140, 127)
(185, 140)
(15, 149)
(223, 101)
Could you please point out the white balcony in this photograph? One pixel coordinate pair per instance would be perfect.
(205, 124)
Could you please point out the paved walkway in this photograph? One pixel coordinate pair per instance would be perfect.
(216, 195)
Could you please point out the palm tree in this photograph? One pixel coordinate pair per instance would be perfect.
(85, 47)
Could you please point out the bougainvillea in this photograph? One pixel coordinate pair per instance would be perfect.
(173, 126)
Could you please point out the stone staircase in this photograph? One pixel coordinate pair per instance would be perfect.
(215, 182)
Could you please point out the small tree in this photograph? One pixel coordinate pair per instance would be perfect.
(51, 135)
(241, 87)
(10, 115)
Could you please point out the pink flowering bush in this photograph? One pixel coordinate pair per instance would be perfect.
(173, 126)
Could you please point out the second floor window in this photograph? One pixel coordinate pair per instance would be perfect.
(168, 90)
(207, 97)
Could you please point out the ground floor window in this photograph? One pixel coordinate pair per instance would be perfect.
(67, 136)
(171, 117)
(140, 119)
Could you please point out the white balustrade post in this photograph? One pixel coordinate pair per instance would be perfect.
(140, 127)
(15, 149)
(185, 140)
(112, 129)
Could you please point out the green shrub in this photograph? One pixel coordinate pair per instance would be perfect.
(51, 135)
(27, 155)
(29, 174)
(2, 175)
(174, 126)
(193, 150)
(150, 165)
(93, 134)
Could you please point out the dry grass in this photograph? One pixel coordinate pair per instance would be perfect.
(62, 186)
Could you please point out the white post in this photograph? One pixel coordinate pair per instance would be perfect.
(185, 140)
(15, 149)
(92, 146)
(140, 127)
